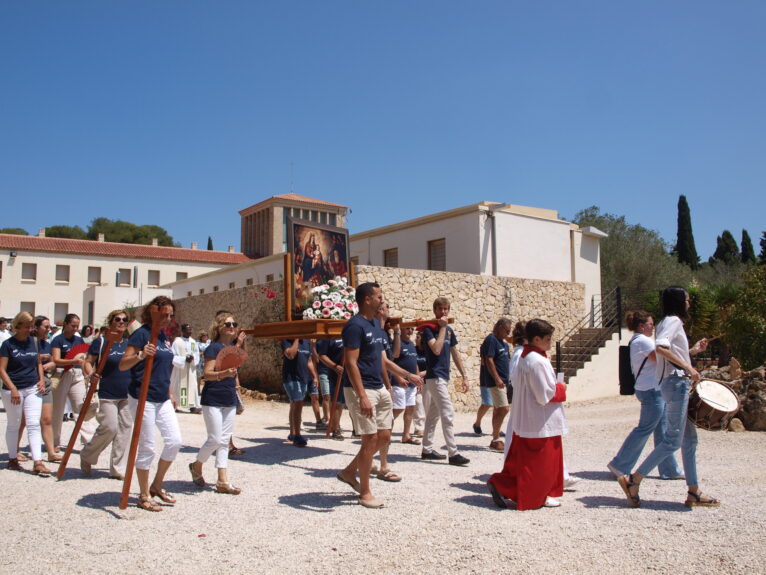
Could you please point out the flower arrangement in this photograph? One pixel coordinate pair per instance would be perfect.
(333, 300)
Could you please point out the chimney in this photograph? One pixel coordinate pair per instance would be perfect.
(101, 237)
(231, 249)
(194, 245)
(41, 233)
(155, 243)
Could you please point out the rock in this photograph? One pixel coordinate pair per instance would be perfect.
(736, 425)
(735, 370)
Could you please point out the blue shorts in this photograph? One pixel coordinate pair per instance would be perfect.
(341, 396)
(324, 384)
(486, 396)
(295, 390)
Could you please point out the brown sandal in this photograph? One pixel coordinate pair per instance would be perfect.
(40, 470)
(626, 482)
(13, 465)
(700, 500)
(228, 488)
(163, 495)
(197, 478)
(148, 504)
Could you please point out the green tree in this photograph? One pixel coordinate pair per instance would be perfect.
(685, 250)
(69, 232)
(14, 231)
(745, 325)
(762, 256)
(748, 253)
(210, 243)
(726, 250)
(128, 233)
(634, 258)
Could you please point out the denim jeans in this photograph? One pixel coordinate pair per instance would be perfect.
(651, 421)
(680, 432)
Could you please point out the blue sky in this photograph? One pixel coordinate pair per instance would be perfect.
(181, 113)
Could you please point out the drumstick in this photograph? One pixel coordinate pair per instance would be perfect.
(112, 337)
(148, 364)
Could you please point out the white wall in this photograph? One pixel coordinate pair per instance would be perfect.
(462, 234)
(256, 270)
(108, 298)
(586, 261)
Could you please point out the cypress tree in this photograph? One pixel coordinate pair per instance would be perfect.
(726, 250)
(762, 257)
(210, 243)
(748, 253)
(685, 250)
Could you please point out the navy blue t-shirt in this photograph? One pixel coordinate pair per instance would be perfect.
(498, 350)
(422, 363)
(362, 334)
(332, 348)
(438, 365)
(297, 369)
(159, 381)
(22, 361)
(222, 393)
(65, 344)
(114, 383)
(408, 358)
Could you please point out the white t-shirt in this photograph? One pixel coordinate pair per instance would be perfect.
(671, 335)
(534, 385)
(4, 334)
(641, 348)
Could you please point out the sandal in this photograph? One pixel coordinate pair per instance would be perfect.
(41, 470)
(235, 451)
(197, 478)
(13, 465)
(700, 500)
(227, 488)
(148, 504)
(626, 482)
(411, 441)
(54, 458)
(163, 495)
(371, 503)
(388, 476)
(21, 457)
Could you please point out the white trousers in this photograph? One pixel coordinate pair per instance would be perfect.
(164, 417)
(114, 425)
(419, 417)
(31, 406)
(438, 405)
(219, 422)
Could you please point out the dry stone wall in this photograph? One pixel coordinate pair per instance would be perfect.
(477, 303)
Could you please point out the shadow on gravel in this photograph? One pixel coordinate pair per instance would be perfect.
(106, 501)
(268, 451)
(471, 486)
(318, 501)
(595, 501)
(596, 475)
(482, 501)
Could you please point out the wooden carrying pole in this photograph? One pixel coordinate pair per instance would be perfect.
(332, 423)
(148, 364)
(111, 338)
(288, 285)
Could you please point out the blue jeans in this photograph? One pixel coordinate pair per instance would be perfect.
(680, 432)
(295, 390)
(650, 421)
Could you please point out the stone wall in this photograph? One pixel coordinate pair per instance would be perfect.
(477, 303)
(250, 305)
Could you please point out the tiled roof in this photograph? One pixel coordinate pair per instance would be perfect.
(117, 250)
(295, 198)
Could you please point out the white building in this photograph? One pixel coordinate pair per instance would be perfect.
(55, 276)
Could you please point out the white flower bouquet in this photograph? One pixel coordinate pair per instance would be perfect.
(333, 300)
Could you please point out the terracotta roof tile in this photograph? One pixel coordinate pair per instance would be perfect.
(117, 250)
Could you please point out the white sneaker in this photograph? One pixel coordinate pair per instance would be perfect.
(571, 482)
(552, 502)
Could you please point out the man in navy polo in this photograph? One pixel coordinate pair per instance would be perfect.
(369, 402)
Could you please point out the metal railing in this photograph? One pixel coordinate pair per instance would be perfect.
(603, 319)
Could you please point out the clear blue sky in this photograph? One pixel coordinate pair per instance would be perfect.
(181, 113)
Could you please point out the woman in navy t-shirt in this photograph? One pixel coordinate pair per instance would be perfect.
(219, 405)
(114, 418)
(23, 385)
(159, 408)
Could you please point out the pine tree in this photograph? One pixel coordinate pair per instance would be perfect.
(748, 253)
(210, 243)
(685, 250)
(762, 257)
(726, 250)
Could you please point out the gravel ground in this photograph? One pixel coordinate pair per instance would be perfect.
(293, 512)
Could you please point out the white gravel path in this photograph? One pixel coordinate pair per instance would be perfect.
(294, 516)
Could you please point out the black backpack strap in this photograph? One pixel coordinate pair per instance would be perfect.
(642, 363)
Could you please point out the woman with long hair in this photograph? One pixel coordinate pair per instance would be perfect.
(219, 405)
(23, 385)
(158, 410)
(114, 418)
(677, 375)
(643, 363)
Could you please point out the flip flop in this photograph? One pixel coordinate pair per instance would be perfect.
(388, 476)
(411, 441)
(163, 495)
(352, 484)
(371, 503)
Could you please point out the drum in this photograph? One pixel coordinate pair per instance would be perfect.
(712, 404)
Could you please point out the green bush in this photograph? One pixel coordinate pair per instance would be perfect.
(745, 324)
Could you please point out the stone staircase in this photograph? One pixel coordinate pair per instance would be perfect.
(581, 346)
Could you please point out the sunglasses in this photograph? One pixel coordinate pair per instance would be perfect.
(230, 324)
(120, 320)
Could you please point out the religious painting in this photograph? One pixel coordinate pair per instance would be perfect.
(320, 254)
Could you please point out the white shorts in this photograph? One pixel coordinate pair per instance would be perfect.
(403, 396)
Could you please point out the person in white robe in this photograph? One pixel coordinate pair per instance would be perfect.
(186, 357)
